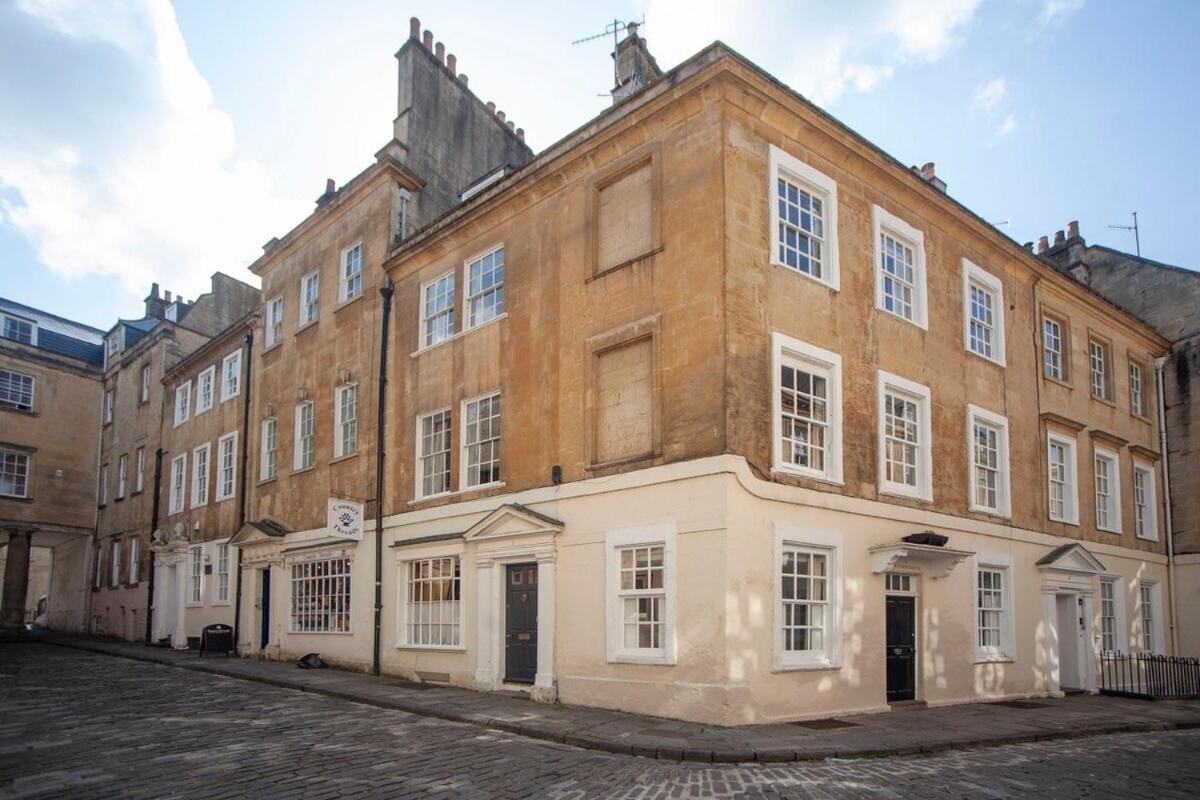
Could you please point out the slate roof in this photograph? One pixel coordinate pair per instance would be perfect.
(60, 335)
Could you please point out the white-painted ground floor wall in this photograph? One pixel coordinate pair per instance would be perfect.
(701, 592)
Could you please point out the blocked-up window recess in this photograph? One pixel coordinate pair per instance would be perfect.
(624, 422)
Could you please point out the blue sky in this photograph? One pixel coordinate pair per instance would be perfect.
(143, 141)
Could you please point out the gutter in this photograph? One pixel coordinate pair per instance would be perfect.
(1159, 363)
(385, 292)
(158, 459)
(237, 597)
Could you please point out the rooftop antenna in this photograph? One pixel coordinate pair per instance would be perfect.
(1002, 223)
(612, 29)
(1137, 241)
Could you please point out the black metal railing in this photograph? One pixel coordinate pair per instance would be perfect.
(1149, 676)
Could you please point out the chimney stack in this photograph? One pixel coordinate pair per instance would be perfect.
(521, 134)
(491, 107)
(167, 298)
(1073, 229)
(439, 52)
(464, 79)
(928, 173)
(1059, 238)
(635, 67)
(427, 39)
(414, 28)
(1043, 245)
(500, 116)
(330, 191)
(452, 64)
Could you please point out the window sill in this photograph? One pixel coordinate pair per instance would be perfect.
(12, 498)
(312, 323)
(1074, 522)
(1152, 539)
(302, 470)
(990, 512)
(136, 493)
(1112, 531)
(995, 362)
(1105, 401)
(431, 648)
(204, 410)
(271, 348)
(1058, 381)
(222, 603)
(233, 396)
(648, 660)
(812, 476)
(192, 604)
(620, 462)
(350, 302)
(458, 493)
(629, 262)
(219, 500)
(267, 481)
(320, 633)
(907, 495)
(25, 412)
(1141, 418)
(810, 665)
(993, 658)
(118, 499)
(831, 285)
(99, 505)
(455, 336)
(921, 325)
(345, 457)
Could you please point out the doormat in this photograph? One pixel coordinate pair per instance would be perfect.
(825, 724)
(1020, 704)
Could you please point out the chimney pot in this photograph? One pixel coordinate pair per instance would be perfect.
(500, 116)
(167, 296)
(928, 171)
(521, 134)
(427, 39)
(452, 64)
(154, 290)
(1028, 246)
(510, 125)
(1058, 237)
(414, 28)
(463, 78)
(439, 51)
(1043, 245)
(491, 107)
(1073, 229)
(330, 186)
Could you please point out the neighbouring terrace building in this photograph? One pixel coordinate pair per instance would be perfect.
(711, 410)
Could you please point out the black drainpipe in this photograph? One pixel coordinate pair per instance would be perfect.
(385, 292)
(158, 455)
(237, 593)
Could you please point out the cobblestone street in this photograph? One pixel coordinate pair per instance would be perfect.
(76, 724)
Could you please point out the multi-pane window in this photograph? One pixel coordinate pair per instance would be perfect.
(226, 465)
(804, 591)
(1053, 344)
(902, 440)
(16, 390)
(223, 573)
(983, 320)
(18, 330)
(103, 488)
(14, 473)
(433, 432)
(195, 587)
(642, 596)
(1144, 521)
(801, 233)
(482, 457)
(305, 440)
(983, 301)
(438, 310)
(989, 461)
(183, 403)
(122, 474)
(145, 396)
(1146, 605)
(1060, 457)
(270, 449)
(310, 298)
(485, 288)
(1136, 399)
(135, 559)
(178, 471)
(204, 389)
(899, 276)
(200, 475)
(114, 578)
(1108, 615)
(1108, 509)
(110, 401)
(807, 409)
(898, 582)
(992, 607)
(231, 375)
(139, 481)
(433, 607)
(346, 438)
(321, 596)
(274, 332)
(1098, 356)
(352, 272)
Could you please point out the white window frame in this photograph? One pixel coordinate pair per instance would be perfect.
(452, 311)
(24, 379)
(19, 456)
(1058, 370)
(140, 482)
(195, 576)
(464, 466)
(145, 397)
(178, 483)
(222, 559)
(135, 556)
(344, 279)
(1137, 389)
(787, 166)
(200, 476)
(207, 378)
(305, 317)
(110, 401)
(273, 331)
(1149, 525)
(298, 449)
(909, 390)
(102, 489)
(114, 558)
(1150, 637)
(340, 442)
(1120, 637)
(231, 389)
(1003, 506)
(229, 440)
(33, 328)
(787, 351)
(975, 274)
(408, 607)
(828, 543)
(1007, 651)
(183, 403)
(1104, 373)
(122, 474)
(469, 320)
(268, 464)
(1114, 489)
(615, 541)
(899, 230)
(420, 462)
(1071, 488)
(309, 583)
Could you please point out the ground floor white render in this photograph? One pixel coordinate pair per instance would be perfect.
(702, 592)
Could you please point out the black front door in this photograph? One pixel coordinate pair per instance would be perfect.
(265, 603)
(520, 626)
(901, 648)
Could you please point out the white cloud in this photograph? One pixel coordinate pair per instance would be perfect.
(1055, 11)
(821, 49)
(1007, 126)
(160, 198)
(989, 95)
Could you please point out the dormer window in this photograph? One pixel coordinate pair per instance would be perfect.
(173, 312)
(18, 329)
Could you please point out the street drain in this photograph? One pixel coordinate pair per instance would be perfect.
(824, 724)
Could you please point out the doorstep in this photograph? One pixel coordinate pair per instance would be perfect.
(926, 730)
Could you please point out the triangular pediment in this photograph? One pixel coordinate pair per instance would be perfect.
(512, 519)
(1071, 558)
(258, 531)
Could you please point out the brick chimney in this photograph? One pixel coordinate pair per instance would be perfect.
(635, 67)
(330, 191)
(155, 306)
(928, 173)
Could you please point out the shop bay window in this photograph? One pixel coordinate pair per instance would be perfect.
(433, 603)
(321, 596)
